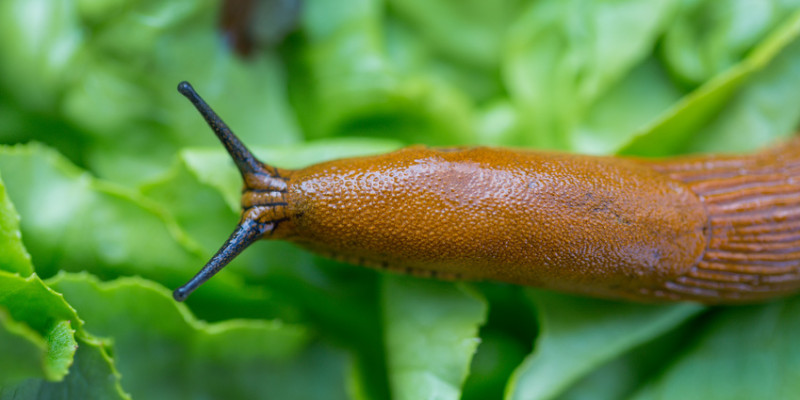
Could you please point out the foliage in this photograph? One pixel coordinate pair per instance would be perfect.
(113, 190)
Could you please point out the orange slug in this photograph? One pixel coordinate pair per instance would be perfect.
(711, 228)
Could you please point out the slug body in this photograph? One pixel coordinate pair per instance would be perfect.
(576, 223)
(715, 229)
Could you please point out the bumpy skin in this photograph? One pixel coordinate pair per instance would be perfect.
(603, 226)
(714, 229)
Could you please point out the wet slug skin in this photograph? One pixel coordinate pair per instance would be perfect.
(714, 229)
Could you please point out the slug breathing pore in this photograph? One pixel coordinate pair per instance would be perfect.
(706, 228)
(263, 187)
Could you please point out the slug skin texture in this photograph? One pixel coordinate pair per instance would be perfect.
(600, 226)
(753, 205)
(713, 229)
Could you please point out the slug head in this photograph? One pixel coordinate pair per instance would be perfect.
(263, 196)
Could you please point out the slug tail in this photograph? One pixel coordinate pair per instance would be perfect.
(753, 206)
(264, 200)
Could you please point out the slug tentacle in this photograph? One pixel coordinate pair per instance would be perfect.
(264, 203)
(245, 234)
(254, 172)
(245, 161)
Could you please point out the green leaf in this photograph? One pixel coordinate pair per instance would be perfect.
(561, 56)
(411, 54)
(748, 352)
(711, 36)
(13, 256)
(93, 225)
(506, 339)
(431, 335)
(578, 75)
(470, 31)
(92, 377)
(78, 62)
(767, 108)
(31, 30)
(580, 334)
(163, 352)
(494, 361)
(667, 134)
(350, 86)
(619, 113)
(624, 375)
(46, 352)
(30, 301)
(27, 353)
(37, 327)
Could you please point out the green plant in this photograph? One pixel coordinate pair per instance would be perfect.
(123, 193)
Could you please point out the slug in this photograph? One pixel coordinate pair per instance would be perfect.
(710, 228)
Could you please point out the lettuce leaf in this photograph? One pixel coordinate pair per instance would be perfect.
(113, 189)
(13, 257)
(580, 335)
(676, 127)
(745, 352)
(429, 348)
(163, 352)
(46, 350)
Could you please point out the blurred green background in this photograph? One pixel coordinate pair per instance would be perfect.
(114, 192)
